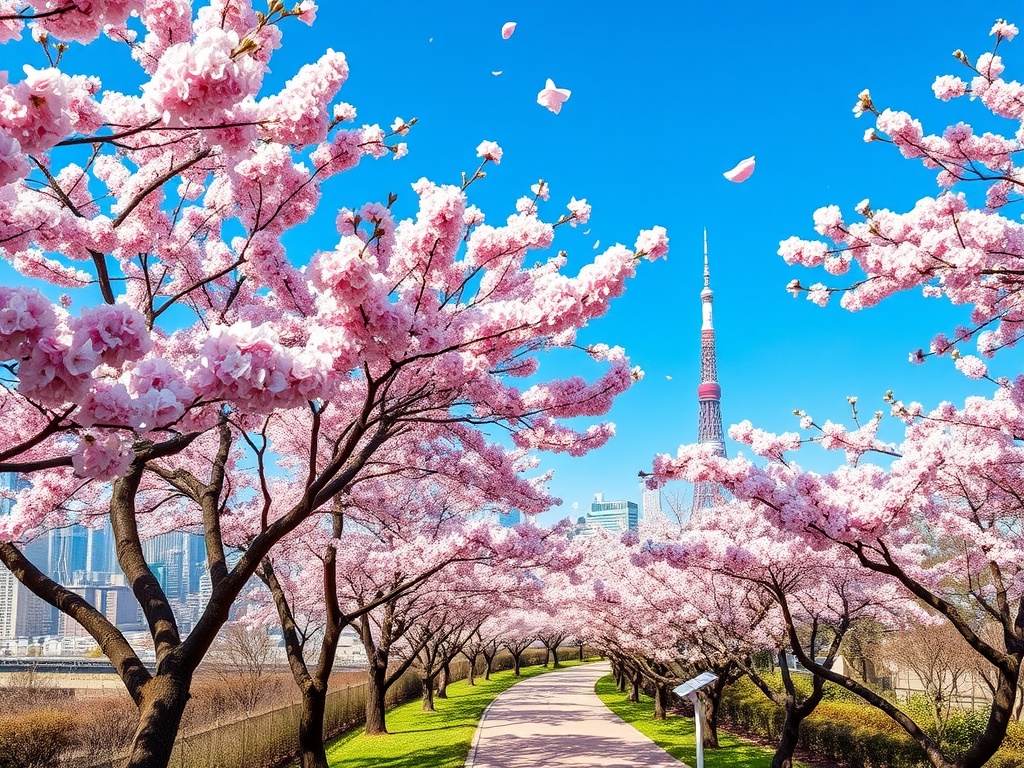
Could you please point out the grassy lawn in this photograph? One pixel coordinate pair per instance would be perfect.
(438, 739)
(676, 734)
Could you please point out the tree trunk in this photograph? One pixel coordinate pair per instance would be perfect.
(547, 655)
(787, 743)
(311, 727)
(581, 651)
(634, 688)
(710, 698)
(471, 677)
(660, 701)
(427, 688)
(376, 723)
(442, 681)
(554, 654)
(515, 662)
(163, 702)
(487, 668)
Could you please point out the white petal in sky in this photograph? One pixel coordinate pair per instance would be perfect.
(507, 29)
(597, 244)
(742, 171)
(669, 378)
(553, 97)
(496, 72)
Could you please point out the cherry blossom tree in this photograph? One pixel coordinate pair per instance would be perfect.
(408, 519)
(745, 586)
(211, 343)
(940, 514)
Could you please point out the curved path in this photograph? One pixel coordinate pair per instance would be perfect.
(556, 720)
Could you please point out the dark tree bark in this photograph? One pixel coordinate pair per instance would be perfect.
(471, 677)
(635, 679)
(376, 722)
(163, 702)
(489, 653)
(311, 728)
(427, 689)
(443, 679)
(660, 701)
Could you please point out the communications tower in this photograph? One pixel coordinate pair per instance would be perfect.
(709, 394)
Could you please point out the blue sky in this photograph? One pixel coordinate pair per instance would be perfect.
(665, 97)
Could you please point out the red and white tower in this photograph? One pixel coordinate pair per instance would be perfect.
(709, 394)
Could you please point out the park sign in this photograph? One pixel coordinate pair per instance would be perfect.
(689, 690)
(694, 685)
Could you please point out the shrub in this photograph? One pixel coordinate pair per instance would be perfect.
(36, 739)
(850, 731)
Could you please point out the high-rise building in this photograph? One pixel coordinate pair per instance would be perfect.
(650, 501)
(709, 394)
(68, 553)
(614, 516)
(22, 614)
(100, 554)
(196, 560)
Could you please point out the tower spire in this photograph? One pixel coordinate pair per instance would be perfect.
(709, 393)
(707, 272)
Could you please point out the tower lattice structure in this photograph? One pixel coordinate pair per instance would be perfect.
(709, 394)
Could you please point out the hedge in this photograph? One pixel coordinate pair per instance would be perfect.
(854, 733)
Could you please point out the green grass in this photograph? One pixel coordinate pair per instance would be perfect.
(438, 739)
(676, 735)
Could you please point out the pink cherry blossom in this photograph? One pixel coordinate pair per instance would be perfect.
(25, 316)
(652, 244)
(35, 112)
(948, 87)
(115, 333)
(507, 29)
(972, 367)
(84, 21)
(1004, 30)
(553, 97)
(55, 374)
(13, 163)
(196, 82)
(102, 457)
(579, 211)
(742, 171)
(307, 11)
(489, 150)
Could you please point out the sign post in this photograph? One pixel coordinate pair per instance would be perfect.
(689, 690)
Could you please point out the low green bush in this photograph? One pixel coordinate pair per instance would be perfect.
(846, 729)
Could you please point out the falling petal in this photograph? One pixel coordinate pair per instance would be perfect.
(507, 29)
(496, 72)
(553, 97)
(597, 244)
(742, 171)
(669, 378)
(430, 40)
(586, 232)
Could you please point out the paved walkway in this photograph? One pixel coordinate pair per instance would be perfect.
(557, 720)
